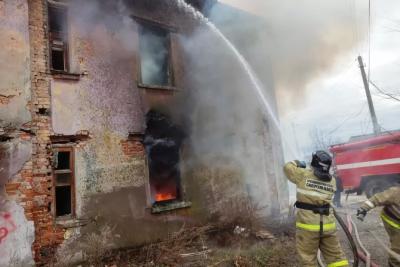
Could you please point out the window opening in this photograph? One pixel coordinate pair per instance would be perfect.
(63, 159)
(58, 37)
(163, 141)
(64, 182)
(155, 65)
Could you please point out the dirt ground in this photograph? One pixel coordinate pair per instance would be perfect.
(372, 223)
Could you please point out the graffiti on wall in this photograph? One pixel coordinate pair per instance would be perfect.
(7, 225)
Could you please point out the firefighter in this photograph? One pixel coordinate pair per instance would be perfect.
(390, 215)
(315, 223)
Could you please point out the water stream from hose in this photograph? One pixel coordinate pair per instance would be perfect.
(187, 8)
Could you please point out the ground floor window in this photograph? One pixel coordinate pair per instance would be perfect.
(163, 141)
(64, 194)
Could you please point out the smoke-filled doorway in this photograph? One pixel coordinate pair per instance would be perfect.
(163, 141)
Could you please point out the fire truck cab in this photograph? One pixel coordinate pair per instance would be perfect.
(368, 164)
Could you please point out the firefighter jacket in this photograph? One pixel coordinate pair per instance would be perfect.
(314, 191)
(390, 199)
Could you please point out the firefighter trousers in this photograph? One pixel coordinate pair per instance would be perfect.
(393, 230)
(308, 242)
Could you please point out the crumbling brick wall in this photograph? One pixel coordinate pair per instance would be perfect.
(46, 234)
(132, 148)
(32, 187)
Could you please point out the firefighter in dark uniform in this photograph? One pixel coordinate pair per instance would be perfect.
(390, 200)
(315, 223)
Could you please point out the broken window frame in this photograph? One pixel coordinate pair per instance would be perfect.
(71, 170)
(168, 30)
(180, 202)
(58, 40)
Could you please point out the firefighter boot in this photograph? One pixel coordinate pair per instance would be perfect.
(308, 242)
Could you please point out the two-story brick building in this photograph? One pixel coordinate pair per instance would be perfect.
(123, 113)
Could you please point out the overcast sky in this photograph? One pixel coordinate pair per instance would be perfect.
(335, 102)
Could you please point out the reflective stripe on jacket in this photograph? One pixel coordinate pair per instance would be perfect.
(393, 223)
(311, 190)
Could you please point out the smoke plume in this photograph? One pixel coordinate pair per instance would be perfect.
(302, 39)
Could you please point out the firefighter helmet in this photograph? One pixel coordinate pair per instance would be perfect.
(321, 162)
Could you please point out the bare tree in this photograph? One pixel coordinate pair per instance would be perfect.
(322, 140)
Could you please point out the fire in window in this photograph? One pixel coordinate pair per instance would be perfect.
(64, 182)
(155, 60)
(163, 142)
(58, 37)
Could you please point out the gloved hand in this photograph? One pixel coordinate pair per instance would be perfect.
(361, 213)
(300, 164)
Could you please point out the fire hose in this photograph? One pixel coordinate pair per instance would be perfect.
(367, 257)
(352, 243)
(364, 254)
(349, 237)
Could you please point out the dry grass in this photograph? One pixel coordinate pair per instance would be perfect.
(209, 246)
(270, 253)
(216, 244)
(97, 246)
(167, 252)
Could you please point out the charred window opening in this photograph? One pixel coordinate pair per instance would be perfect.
(155, 59)
(63, 181)
(58, 37)
(163, 141)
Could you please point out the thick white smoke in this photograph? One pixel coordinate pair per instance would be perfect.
(303, 39)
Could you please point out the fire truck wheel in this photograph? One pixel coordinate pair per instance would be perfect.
(375, 186)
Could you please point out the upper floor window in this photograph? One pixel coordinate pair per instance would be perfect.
(58, 37)
(155, 56)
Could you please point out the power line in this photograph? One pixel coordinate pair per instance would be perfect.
(390, 96)
(352, 116)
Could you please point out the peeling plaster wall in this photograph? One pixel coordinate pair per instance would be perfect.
(17, 239)
(106, 102)
(104, 171)
(14, 63)
(15, 230)
(13, 155)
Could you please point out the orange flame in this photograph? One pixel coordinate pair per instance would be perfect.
(164, 196)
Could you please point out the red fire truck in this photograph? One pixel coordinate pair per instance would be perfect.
(368, 164)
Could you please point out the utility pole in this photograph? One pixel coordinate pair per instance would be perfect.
(375, 124)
